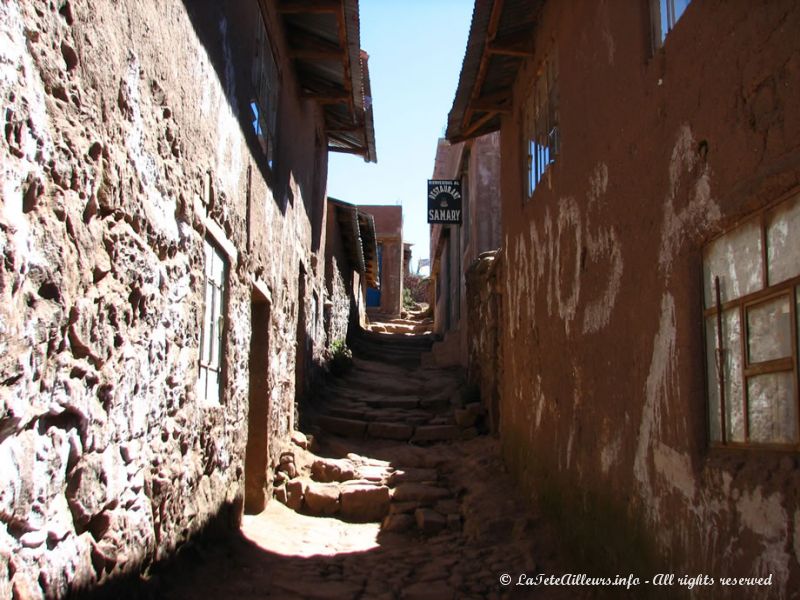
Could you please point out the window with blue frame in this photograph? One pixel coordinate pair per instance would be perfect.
(665, 15)
(264, 104)
(541, 124)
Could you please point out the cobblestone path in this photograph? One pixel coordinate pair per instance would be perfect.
(396, 493)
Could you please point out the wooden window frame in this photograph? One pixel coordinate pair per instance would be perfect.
(660, 33)
(541, 122)
(789, 288)
(209, 361)
(266, 93)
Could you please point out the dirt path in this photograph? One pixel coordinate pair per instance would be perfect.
(398, 497)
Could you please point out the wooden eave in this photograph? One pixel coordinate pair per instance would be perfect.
(323, 37)
(501, 37)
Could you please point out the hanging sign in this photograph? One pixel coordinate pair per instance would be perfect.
(444, 201)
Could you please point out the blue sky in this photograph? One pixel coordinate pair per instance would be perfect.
(415, 51)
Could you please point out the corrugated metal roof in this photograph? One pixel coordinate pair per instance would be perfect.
(331, 67)
(500, 36)
(357, 229)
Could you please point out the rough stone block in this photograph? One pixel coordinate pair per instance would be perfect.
(435, 433)
(326, 470)
(295, 490)
(476, 408)
(429, 521)
(470, 433)
(419, 492)
(322, 498)
(418, 475)
(407, 402)
(364, 502)
(299, 439)
(390, 431)
(464, 417)
(408, 506)
(428, 590)
(346, 427)
(280, 494)
(398, 522)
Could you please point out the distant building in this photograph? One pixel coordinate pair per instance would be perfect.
(386, 301)
(646, 299)
(455, 247)
(351, 267)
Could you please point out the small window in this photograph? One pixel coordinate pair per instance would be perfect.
(264, 104)
(541, 124)
(665, 13)
(752, 297)
(209, 381)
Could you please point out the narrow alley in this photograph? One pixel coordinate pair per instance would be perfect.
(548, 346)
(363, 513)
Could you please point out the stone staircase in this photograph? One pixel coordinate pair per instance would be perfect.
(386, 406)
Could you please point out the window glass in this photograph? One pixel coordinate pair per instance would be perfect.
(670, 11)
(769, 330)
(732, 372)
(714, 403)
(736, 259)
(209, 373)
(772, 411)
(541, 121)
(783, 251)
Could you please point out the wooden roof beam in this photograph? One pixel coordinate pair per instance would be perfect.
(483, 67)
(341, 21)
(479, 123)
(312, 54)
(309, 6)
(307, 46)
(512, 44)
(495, 102)
(360, 151)
(343, 129)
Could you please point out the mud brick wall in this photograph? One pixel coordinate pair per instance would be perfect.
(604, 404)
(126, 141)
(484, 319)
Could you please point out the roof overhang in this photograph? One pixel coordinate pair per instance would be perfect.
(324, 43)
(500, 39)
(357, 229)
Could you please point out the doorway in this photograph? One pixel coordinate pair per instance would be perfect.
(256, 462)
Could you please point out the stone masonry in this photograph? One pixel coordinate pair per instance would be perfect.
(127, 143)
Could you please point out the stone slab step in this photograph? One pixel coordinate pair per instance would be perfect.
(340, 426)
(390, 431)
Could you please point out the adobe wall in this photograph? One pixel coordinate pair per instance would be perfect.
(344, 285)
(603, 402)
(127, 137)
(389, 233)
(479, 232)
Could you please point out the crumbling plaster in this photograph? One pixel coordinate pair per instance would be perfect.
(603, 386)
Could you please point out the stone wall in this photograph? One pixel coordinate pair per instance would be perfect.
(127, 140)
(485, 367)
(604, 405)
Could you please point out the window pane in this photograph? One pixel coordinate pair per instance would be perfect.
(772, 411)
(205, 351)
(783, 248)
(714, 407)
(212, 393)
(736, 259)
(732, 372)
(680, 6)
(769, 330)
(208, 250)
(202, 381)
